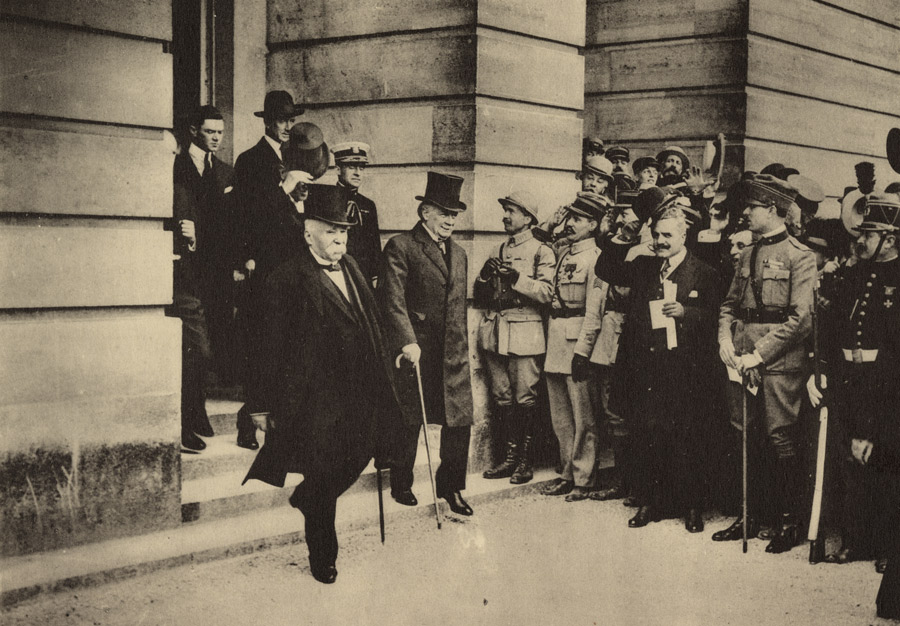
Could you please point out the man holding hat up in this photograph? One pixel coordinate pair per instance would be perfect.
(328, 401)
(571, 411)
(364, 243)
(763, 324)
(422, 295)
(513, 286)
(862, 349)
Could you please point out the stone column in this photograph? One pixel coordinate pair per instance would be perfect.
(488, 90)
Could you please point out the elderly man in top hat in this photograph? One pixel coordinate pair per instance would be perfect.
(763, 324)
(422, 296)
(364, 243)
(513, 287)
(328, 401)
(571, 411)
(666, 367)
(862, 349)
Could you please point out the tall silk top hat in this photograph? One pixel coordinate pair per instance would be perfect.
(442, 190)
(882, 210)
(332, 204)
(306, 150)
(279, 105)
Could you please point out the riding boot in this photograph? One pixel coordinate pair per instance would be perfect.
(510, 425)
(524, 471)
(788, 482)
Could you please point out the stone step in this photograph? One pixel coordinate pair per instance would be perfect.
(223, 415)
(97, 563)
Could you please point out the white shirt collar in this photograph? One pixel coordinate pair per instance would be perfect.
(198, 156)
(676, 260)
(275, 145)
(320, 259)
(437, 239)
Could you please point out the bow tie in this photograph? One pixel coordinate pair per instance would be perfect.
(330, 268)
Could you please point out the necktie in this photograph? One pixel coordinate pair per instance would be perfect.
(663, 270)
(443, 247)
(334, 267)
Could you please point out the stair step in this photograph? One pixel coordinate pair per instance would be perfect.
(97, 563)
(221, 456)
(223, 415)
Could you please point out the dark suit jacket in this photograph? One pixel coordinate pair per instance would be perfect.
(213, 211)
(327, 378)
(666, 385)
(270, 229)
(423, 301)
(364, 240)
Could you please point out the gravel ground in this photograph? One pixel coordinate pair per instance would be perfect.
(529, 560)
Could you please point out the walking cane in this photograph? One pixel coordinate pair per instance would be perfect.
(380, 503)
(437, 509)
(744, 459)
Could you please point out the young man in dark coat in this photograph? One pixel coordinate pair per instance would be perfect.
(327, 398)
(666, 367)
(422, 297)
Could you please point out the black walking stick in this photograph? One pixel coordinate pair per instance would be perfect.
(380, 502)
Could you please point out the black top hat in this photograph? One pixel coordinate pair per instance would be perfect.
(332, 204)
(893, 149)
(618, 151)
(882, 211)
(442, 190)
(590, 205)
(643, 163)
(306, 150)
(279, 105)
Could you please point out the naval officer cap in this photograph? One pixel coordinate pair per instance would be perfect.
(351, 152)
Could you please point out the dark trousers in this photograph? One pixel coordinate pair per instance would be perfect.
(316, 497)
(454, 454)
(194, 360)
(669, 466)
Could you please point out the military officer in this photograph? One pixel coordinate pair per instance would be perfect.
(862, 349)
(571, 412)
(364, 242)
(513, 287)
(620, 156)
(763, 323)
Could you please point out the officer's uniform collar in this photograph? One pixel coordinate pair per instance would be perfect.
(584, 244)
(520, 238)
(774, 236)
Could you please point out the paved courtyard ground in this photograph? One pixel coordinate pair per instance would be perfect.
(523, 561)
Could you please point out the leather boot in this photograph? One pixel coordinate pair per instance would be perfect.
(511, 459)
(788, 535)
(524, 469)
(787, 482)
(735, 532)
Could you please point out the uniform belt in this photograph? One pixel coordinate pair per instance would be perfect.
(859, 355)
(566, 312)
(763, 316)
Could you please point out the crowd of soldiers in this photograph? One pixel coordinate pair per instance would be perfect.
(665, 316)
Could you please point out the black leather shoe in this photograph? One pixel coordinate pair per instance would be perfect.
(247, 439)
(457, 504)
(788, 536)
(735, 532)
(613, 493)
(406, 497)
(204, 428)
(326, 574)
(192, 442)
(559, 489)
(693, 521)
(643, 517)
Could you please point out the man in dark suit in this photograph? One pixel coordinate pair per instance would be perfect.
(364, 244)
(669, 345)
(208, 182)
(422, 297)
(268, 225)
(327, 397)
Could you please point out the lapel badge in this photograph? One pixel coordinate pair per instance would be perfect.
(889, 291)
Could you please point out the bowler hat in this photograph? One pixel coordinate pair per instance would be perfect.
(620, 152)
(279, 105)
(599, 165)
(523, 200)
(332, 204)
(591, 205)
(442, 190)
(306, 150)
(669, 150)
(351, 152)
(642, 163)
(768, 189)
(651, 201)
(882, 211)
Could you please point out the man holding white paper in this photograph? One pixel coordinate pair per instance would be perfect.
(668, 348)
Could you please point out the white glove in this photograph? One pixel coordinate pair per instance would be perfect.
(292, 177)
(815, 394)
(411, 352)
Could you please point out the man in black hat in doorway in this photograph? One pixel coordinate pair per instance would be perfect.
(364, 243)
(422, 296)
(327, 400)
